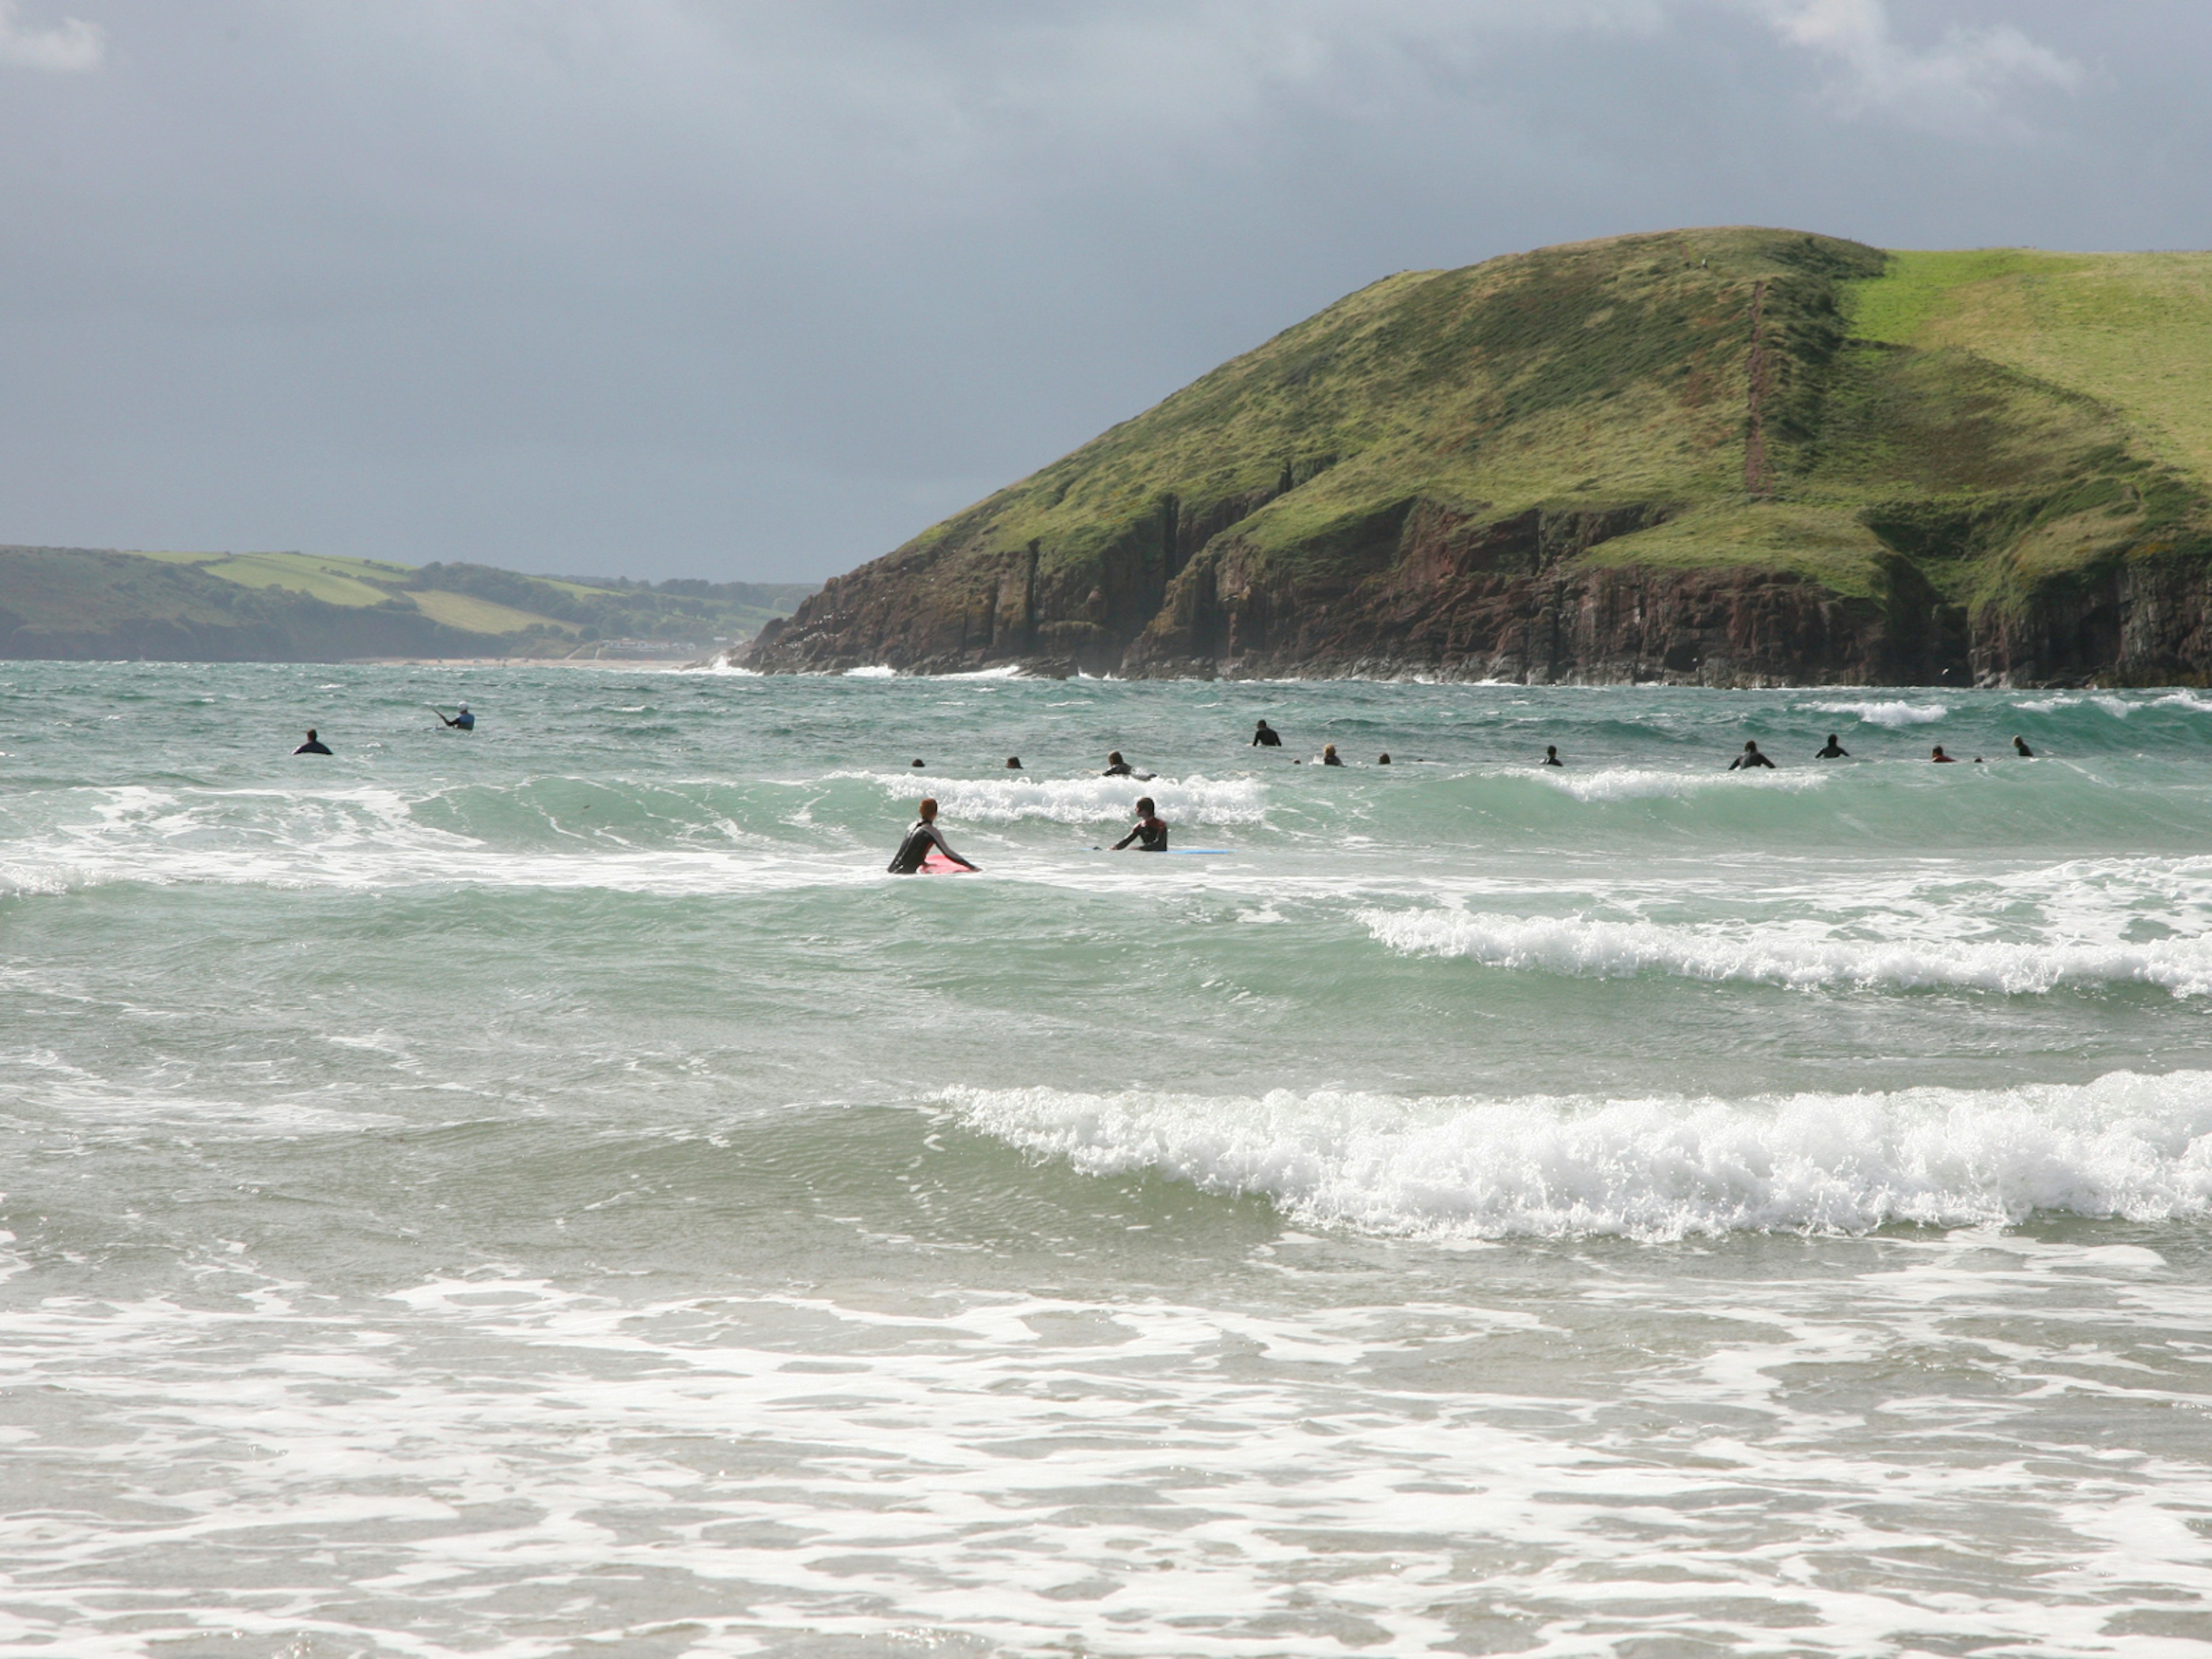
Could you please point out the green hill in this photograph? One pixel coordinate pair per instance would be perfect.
(78, 604)
(1729, 456)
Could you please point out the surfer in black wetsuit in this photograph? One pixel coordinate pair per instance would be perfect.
(1117, 767)
(314, 745)
(1151, 834)
(1551, 755)
(2020, 748)
(1266, 737)
(1834, 751)
(1328, 756)
(1943, 759)
(921, 840)
(1750, 760)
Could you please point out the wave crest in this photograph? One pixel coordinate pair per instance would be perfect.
(1664, 1168)
(1088, 800)
(1893, 712)
(1583, 948)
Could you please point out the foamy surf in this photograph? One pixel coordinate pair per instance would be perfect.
(1084, 800)
(1658, 1169)
(1889, 711)
(1584, 947)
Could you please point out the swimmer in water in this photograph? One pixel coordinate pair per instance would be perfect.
(1151, 834)
(2020, 748)
(1117, 767)
(1834, 751)
(1382, 759)
(314, 745)
(1328, 756)
(463, 721)
(921, 839)
(1551, 755)
(1266, 737)
(1750, 760)
(1013, 762)
(1943, 759)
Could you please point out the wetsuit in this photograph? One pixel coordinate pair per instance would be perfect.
(2022, 750)
(1267, 738)
(1551, 760)
(1749, 759)
(466, 721)
(1151, 835)
(1119, 769)
(1833, 751)
(1332, 760)
(313, 746)
(915, 848)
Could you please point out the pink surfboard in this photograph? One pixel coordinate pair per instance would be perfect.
(937, 865)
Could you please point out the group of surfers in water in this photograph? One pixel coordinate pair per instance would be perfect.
(1150, 833)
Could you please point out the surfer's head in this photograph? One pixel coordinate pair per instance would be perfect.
(1013, 762)
(1112, 757)
(1750, 748)
(928, 808)
(311, 734)
(1382, 759)
(1144, 807)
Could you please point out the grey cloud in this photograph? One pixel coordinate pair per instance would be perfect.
(70, 46)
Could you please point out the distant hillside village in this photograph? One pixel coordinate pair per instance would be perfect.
(86, 604)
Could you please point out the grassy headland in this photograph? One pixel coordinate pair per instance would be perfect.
(1941, 463)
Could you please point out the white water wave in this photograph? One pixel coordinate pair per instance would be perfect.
(876, 672)
(1620, 783)
(1587, 948)
(1084, 800)
(1665, 1167)
(1893, 712)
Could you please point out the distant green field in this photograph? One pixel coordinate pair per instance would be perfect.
(477, 616)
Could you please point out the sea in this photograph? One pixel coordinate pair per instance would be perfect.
(548, 1191)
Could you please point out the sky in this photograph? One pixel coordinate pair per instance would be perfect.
(752, 290)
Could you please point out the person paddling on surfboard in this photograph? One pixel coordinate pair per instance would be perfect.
(1151, 834)
(921, 841)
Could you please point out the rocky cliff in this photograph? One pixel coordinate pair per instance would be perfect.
(1725, 457)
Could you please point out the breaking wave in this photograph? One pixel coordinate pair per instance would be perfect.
(1579, 946)
(1662, 1168)
(1087, 800)
(1893, 714)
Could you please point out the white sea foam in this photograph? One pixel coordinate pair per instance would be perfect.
(1087, 800)
(1665, 1167)
(1586, 947)
(876, 672)
(1617, 783)
(1891, 713)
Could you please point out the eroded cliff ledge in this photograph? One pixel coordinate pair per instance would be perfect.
(1728, 458)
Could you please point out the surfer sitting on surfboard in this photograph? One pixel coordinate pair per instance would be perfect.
(1151, 834)
(464, 720)
(924, 841)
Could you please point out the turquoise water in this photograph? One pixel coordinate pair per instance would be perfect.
(548, 1191)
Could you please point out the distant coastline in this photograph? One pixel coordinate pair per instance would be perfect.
(90, 604)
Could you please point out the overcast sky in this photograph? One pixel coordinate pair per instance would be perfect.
(745, 290)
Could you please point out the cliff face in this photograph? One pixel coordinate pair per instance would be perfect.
(1673, 457)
